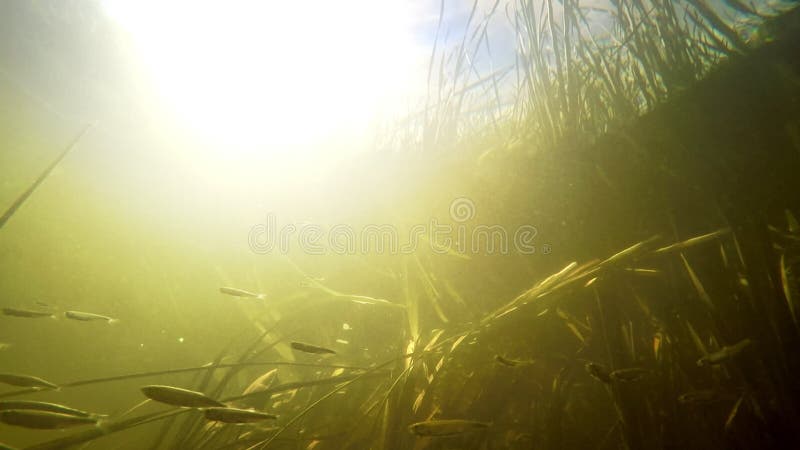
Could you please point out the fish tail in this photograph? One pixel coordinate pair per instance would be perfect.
(261, 296)
(113, 321)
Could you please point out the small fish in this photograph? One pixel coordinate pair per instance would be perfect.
(44, 406)
(703, 396)
(235, 415)
(241, 293)
(512, 362)
(724, 354)
(29, 313)
(598, 372)
(43, 420)
(4, 346)
(26, 381)
(179, 397)
(629, 375)
(450, 427)
(308, 348)
(88, 317)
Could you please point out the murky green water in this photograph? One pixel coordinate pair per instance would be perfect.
(637, 290)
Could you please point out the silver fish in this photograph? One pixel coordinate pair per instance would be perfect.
(241, 293)
(724, 354)
(308, 348)
(43, 420)
(29, 313)
(88, 317)
(235, 415)
(43, 406)
(451, 427)
(179, 397)
(26, 381)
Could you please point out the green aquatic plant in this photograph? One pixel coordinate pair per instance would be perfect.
(605, 348)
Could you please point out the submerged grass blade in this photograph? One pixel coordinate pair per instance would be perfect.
(24, 196)
(787, 289)
(698, 285)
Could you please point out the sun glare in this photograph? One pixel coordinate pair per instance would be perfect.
(276, 76)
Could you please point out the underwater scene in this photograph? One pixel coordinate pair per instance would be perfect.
(396, 224)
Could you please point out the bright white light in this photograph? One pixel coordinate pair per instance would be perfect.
(276, 74)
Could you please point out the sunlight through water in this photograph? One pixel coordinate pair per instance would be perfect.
(276, 77)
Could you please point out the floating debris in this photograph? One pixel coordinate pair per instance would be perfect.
(88, 317)
(629, 375)
(235, 415)
(308, 348)
(241, 293)
(43, 420)
(598, 372)
(512, 362)
(724, 354)
(179, 397)
(26, 381)
(44, 406)
(450, 427)
(28, 313)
